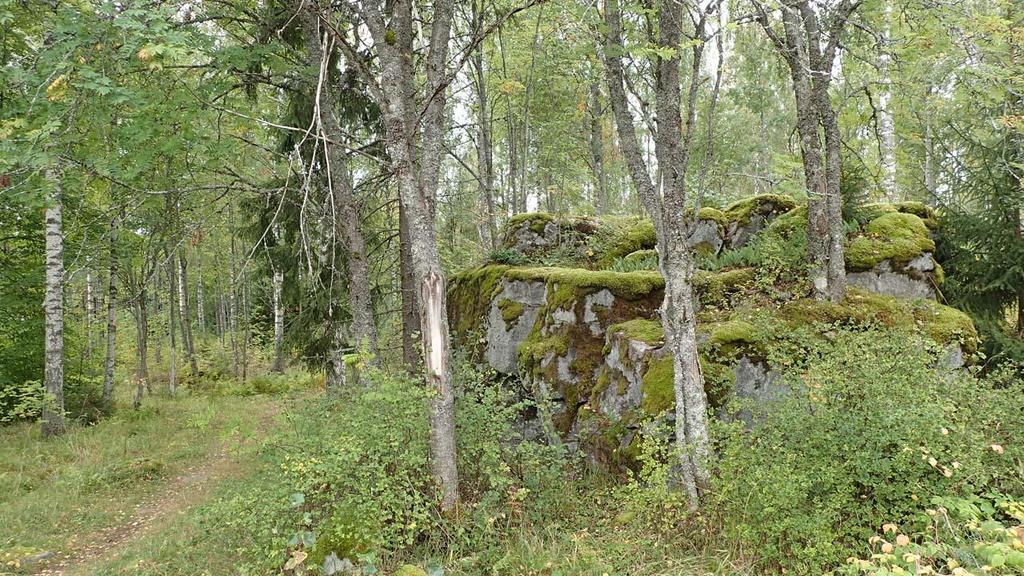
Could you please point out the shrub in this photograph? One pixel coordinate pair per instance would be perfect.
(870, 430)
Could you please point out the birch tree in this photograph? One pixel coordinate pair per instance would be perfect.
(665, 200)
(53, 307)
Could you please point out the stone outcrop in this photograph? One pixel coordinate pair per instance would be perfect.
(587, 345)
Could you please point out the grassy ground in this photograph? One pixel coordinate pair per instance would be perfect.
(68, 495)
(192, 486)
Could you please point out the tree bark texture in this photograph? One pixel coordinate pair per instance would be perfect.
(111, 358)
(53, 308)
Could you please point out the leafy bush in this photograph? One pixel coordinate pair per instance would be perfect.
(83, 399)
(976, 536)
(509, 256)
(352, 478)
(870, 430)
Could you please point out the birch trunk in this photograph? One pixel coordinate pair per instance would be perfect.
(200, 296)
(278, 365)
(886, 120)
(172, 312)
(111, 360)
(185, 317)
(53, 307)
(88, 315)
(597, 151)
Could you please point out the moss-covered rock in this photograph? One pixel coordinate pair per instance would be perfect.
(510, 310)
(641, 329)
(410, 570)
(896, 237)
(743, 211)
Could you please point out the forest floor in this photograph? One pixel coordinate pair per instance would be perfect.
(74, 505)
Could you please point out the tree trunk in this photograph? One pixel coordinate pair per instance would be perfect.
(200, 296)
(87, 354)
(417, 184)
(668, 212)
(597, 151)
(278, 321)
(141, 344)
(53, 307)
(185, 316)
(410, 310)
(484, 151)
(347, 213)
(172, 312)
(108, 368)
(886, 120)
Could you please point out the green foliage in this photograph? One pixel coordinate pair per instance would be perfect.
(509, 256)
(639, 260)
(868, 432)
(965, 537)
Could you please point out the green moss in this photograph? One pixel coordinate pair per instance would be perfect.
(345, 533)
(734, 338)
(926, 213)
(719, 381)
(536, 347)
(410, 570)
(537, 220)
(893, 236)
(790, 223)
(640, 255)
(658, 385)
(947, 325)
(709, 213)
(624, 240)
(628, 285)
(510, 310)
(943, 324)
(470, 294)
(640, 329)
(714, 288)
(741, 210)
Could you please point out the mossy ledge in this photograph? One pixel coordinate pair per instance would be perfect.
(894, 236)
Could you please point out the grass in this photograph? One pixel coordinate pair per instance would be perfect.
(57, 493)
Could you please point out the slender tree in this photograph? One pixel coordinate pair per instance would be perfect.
(809, 42)
(668, 210)
(53, 306)
(111, 357)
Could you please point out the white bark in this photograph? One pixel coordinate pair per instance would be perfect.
(111, 358)
(278, 321)
(886, 121)
(53, 308)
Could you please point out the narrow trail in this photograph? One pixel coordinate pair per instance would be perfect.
(187, 490)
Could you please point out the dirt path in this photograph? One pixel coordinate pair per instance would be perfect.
(185, 491)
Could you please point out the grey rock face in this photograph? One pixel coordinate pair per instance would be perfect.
(624, 366)
(757, 382)
(914, 281)
(706, 236)
(503, 340)
(526, 240)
